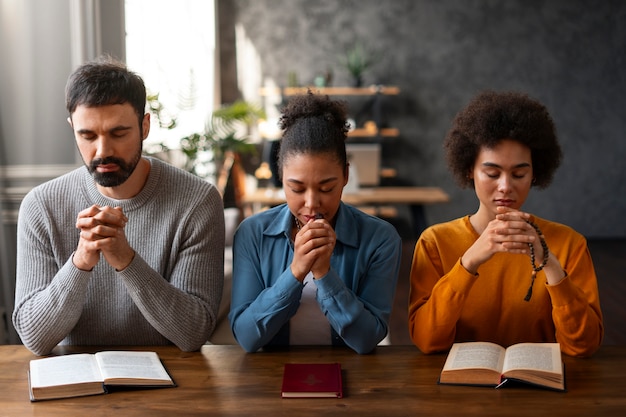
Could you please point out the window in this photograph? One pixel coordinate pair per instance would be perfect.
(172, 46)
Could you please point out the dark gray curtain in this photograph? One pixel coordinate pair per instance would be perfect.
(7, 277)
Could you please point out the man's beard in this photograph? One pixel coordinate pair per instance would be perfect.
(113, 179)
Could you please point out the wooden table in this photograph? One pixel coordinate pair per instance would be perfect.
(373, 200)
(392, 381)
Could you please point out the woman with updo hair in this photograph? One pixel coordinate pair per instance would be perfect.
(313, 271)
(501, 274)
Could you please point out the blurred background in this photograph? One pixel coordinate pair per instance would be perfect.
(199, 57)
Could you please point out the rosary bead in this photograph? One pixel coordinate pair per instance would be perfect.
(536, 268)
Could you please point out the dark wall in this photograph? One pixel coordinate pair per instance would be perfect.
(569, 54)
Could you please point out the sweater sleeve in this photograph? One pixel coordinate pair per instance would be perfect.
(48, 299)
(436, 299)
(575, 302)
(184, 307)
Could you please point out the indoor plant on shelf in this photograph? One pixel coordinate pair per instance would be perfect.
(225, 135)
(357, 60)
(224, 139)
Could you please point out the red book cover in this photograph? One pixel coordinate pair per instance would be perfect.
(312, 380)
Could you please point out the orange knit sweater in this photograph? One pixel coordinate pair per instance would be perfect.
(447, 304)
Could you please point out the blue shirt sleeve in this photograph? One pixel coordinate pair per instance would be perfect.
(360, 313)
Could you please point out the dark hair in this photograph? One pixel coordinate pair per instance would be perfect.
(313, 124)
(491, 117)
(103, 82)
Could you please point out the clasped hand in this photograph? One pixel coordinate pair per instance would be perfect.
(508, 232)
(102, 231)
(313, 247)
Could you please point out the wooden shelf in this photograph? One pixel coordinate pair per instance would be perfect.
(333, 91)
(371, 133)
(388, 132)
(375, 196)
(370, 130)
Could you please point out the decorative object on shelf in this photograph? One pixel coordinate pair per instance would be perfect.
(319, 81)
(328, 77)
(370, 127)
(292, 79)
(357, 60)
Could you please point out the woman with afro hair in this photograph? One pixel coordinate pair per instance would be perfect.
(313, 271)
(501, 274)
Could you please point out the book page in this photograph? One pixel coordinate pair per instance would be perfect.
(536, 356)
(475, 355)
(64, 370)
(129, 365)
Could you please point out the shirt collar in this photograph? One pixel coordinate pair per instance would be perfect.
(346, 227)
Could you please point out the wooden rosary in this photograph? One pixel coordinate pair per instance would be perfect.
(536, 268)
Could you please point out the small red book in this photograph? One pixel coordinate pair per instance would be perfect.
(312, 380)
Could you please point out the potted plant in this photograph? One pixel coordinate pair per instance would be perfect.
(226, 133)
(357, 60)
(225, 138)
(223, 134)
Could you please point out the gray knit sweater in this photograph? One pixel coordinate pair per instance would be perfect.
(171, 291)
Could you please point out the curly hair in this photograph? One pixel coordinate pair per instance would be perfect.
(313, 124)
(491, 117)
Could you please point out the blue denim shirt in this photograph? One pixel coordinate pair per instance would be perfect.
(356, 295)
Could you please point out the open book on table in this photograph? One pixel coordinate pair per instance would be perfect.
(485, 363)
(81, 374)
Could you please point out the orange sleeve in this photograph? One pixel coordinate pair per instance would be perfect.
(575, 300)
(436, 299)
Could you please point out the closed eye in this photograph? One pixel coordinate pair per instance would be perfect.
(120, 132)
(492, 174)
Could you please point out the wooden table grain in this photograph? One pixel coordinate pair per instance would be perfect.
(392, 381)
